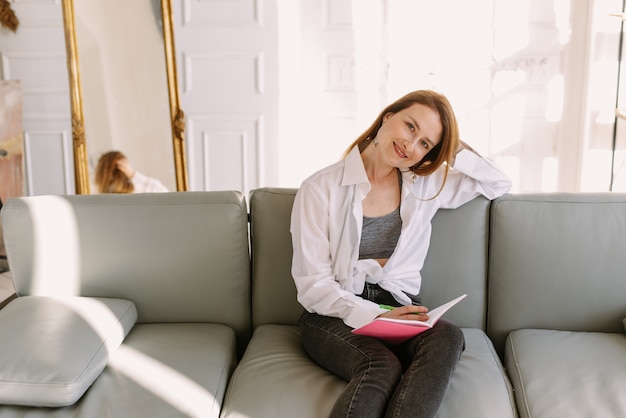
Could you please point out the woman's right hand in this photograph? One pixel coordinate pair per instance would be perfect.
(410, 312)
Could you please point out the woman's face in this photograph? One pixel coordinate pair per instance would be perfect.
(407, 136)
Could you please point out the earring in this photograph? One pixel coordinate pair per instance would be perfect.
(375, 142)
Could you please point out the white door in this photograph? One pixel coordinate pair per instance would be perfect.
(227, 58)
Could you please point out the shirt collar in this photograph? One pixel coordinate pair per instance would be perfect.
(409, 181)
(353, 168)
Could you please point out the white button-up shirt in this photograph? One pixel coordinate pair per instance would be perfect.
(145, 184)
(326, 226)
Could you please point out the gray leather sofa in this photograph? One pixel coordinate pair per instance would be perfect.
(182, 304)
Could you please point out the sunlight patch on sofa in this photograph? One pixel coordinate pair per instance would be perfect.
(56, 245)
(100, 319)
(163, 381)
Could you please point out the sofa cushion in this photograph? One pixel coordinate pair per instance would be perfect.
(270, 241)
(165, 370)
(479, 386)
(276, 378)
(159, 371)
(54, 348)
(590, 367)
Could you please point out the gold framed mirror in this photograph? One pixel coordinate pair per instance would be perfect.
(124, 89)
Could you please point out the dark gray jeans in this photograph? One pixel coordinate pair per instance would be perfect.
(405, 380)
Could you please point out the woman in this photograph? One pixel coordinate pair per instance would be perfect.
(115, 174)
(360, 230)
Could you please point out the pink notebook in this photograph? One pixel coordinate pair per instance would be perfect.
(396, 331)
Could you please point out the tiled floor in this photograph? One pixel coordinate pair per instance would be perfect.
(6, 287)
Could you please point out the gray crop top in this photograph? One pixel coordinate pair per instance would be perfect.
(380, 235)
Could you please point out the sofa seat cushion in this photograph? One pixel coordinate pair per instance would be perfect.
(479, 386)
(567, 374)
(161, 370)
(53, 348)
(276, 378)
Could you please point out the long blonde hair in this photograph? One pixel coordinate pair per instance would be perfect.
(446, 148)
(109, 178)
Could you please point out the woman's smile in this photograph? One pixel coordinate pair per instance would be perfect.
(399, 151)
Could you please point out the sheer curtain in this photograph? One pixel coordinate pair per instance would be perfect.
(501, 65)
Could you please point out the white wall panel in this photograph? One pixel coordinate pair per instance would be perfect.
(221, 12)
(43, 97)
(48, 162)
(46, 102)
(39, 13)
(27, 67)
(338, 14)
(226, 151)
(340, 72)
(221, 74)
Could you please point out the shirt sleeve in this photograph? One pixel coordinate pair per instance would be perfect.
(319, 290)
(471, 176)
(145, 184)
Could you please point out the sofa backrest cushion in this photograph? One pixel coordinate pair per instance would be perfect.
(273, 290)
(557, 261)
(456, 263)
(180, 257)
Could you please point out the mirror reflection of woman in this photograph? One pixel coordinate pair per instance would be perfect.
(115, 174)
